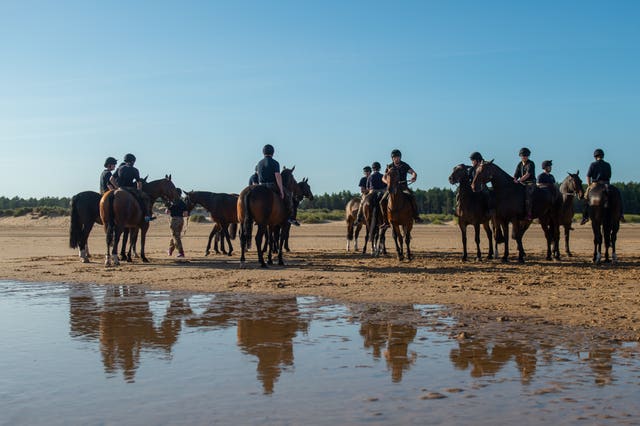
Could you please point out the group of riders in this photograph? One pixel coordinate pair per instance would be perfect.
(599, 173)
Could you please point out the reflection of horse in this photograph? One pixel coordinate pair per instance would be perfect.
(351, 215)
(120, 210)
(222, 208)
(569, 188)
(605, 208)
(472, 208)
(85, 211)
(261, 204)
(399, 213)
(510, 208)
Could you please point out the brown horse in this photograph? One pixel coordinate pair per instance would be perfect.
(120, 211)
(399, 213)
(472, 208)
(223, 210)
(353, 230)
(570, 187)
(605, 208)
(510, 208)
(372, 217)
(261, 204)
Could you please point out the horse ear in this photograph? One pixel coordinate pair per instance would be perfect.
(490, 161)
(578, 173)
(293, 168)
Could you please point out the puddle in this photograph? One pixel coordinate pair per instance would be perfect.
(124, 355)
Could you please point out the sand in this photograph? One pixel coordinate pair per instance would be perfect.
(571, 291)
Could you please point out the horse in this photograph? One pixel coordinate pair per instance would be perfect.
(605, 208)
(260, 204)
(472, 208)
(353, 230)
(569, 188)
(372, 215)
(223, 210)
(85, 212)
(399, 213)
(120, 211)
(510, 208)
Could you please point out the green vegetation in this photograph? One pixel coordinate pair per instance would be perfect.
(319, 215)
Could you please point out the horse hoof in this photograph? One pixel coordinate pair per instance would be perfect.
(505, 260)
(549, 258)
(464, 258)
(229, 254)
(85, 260)
(521, 261)
(490, 257)
(607, 261)
(206, 253)
(144, 259)
(281, 263)
(263, 265)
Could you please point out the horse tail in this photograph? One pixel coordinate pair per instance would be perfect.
(75, 227)
(247, 224)
(233, 230)
(111, 225)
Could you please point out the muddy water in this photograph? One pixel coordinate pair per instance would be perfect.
(75, 354)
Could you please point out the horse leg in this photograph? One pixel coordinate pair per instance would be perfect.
(355, 236)
(260, 232)
(207, 251)
(125, 238)
(487, 230)
(614, 236)
(133, 236)
(114, 252)
(476, 230)
(284, 233)
(567, 231)
(597, 241)
(547, 236)
(556, 241)
(505, 233)
(407, 240)
(397, 238)
(228, 237)
(143, 237)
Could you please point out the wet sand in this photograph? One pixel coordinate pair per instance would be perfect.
(569, 292)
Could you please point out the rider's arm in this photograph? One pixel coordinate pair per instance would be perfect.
(414, 175)
(279, 182)
(113, 181)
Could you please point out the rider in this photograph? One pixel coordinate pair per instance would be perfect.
(546, 179)
(269, 174)
(403, 169)
(476, 159)
(599, 172)
(363, 180)
(374, 184)
(526, 175)
(253, 180)
(109, 167)
(127, 177)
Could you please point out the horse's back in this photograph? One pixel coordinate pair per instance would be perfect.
(262, 204)
(124, 207)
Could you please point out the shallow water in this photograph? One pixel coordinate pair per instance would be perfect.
(82, 354)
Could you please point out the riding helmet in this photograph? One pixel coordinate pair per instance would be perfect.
(524, 152)
(476, 156)
(130, 158)
(366, 169)
(546, 163)
(268, 149)
(109, 161)
(598, 153)
(396, 153)
(375, 165)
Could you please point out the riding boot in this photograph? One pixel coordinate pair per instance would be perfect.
(585, 214)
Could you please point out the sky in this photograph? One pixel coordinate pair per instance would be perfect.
(196, 88)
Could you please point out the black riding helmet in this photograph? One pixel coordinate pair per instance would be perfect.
(476, 156)
(268, 149)
(375, 166)
(109, 161)
(396, 153)
(366, 169)
(598, 153)
(524, 152)
(130, 158)
(546, 163)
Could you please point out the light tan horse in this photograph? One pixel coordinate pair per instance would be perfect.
(353, 230)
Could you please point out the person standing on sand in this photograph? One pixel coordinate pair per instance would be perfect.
(178, 211)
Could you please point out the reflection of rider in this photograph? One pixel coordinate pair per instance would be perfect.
(403, 169)
(599, 172)
(127, 177)
(526, 174)
(269, 175)
(105, 177)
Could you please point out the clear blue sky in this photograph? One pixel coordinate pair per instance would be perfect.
(196, 89)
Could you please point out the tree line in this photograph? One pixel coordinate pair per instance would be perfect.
(431, 201)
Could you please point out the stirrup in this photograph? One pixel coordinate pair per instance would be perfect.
(293, 222)
(584, 220)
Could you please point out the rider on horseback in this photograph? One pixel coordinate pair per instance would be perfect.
(476, 159)
(127, 177)
(105, 177)
(374, 184)
(269, 174)
(403, 169)
(547, 181)
(599, 172)
(363, 180)
(526, 175)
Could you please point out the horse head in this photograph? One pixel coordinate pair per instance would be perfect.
(305, 189)
(460, 174)
(574, 184)
(484, 173)
(188, 200)
(289, 182)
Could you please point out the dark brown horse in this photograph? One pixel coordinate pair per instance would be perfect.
(85, 212)
(605, 208)
(120, 211)
(510, 208)
(261, 204)
(372, 217)
(472, 208)
(399, 213)
(223, 210)
(570, 187)
(353, 230)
